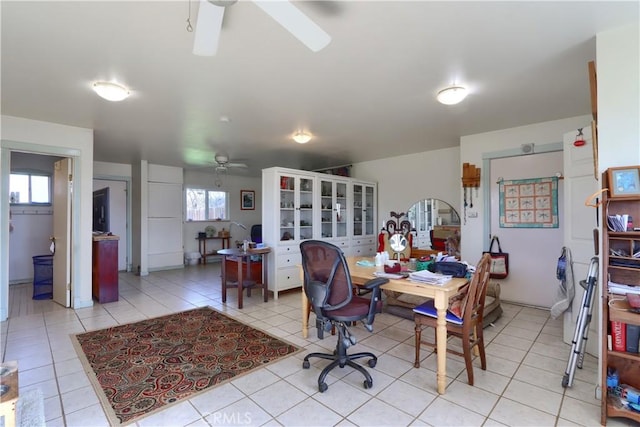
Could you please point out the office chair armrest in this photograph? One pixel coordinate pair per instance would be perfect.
(373, 283)
(374, 286)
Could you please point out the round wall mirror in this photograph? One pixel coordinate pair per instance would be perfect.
(433, 221)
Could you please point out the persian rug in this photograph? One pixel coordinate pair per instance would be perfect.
(529, 203)
(142, 367)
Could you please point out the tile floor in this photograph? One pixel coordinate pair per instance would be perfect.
(521, 386)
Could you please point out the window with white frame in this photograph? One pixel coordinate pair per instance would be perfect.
(29, 189)
(205, 205)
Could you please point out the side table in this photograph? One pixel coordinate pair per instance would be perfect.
(202, 246)
(247, 281)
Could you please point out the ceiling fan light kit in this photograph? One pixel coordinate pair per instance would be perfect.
(452, 95)
(111, 91)
(301, 137)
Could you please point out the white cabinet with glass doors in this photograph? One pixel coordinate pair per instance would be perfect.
(299, 205)
(287, 219)
(333, 210)
(363, 216)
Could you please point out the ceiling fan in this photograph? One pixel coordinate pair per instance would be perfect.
(211, 12)
(223, 163)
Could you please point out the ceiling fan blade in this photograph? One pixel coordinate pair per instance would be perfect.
(296, 22)
(237, 165)
(208, 29)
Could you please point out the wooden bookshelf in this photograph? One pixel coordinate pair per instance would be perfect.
(619, 266)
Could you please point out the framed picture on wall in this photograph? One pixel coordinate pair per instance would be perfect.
(624, 181)
(247, 199)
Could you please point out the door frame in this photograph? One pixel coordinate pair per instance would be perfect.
(5, 163)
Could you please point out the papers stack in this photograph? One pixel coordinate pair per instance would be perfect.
(425, 276)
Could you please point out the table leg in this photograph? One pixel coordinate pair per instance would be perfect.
(240, 281)
(265, 275)
(441, 340)
(305, 314)
(224, 279)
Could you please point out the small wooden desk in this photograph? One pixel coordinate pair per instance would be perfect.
(440, 294)
(202, 246)
(241, 256)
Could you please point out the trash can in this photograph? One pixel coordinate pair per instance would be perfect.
(191, 258)
(43, 277)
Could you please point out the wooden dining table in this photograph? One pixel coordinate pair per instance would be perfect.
(440, 293)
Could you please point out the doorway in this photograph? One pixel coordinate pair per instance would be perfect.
(117, 214)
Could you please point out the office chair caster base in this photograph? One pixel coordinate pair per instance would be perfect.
(322, 387)
(372, 363)
(306, 364)
(368, 384)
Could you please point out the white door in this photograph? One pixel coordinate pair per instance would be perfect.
(580, 183)
(62, 186)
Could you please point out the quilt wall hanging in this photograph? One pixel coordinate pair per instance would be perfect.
(529, 203)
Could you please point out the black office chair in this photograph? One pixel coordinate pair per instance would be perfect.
(256, 233)
(327, 284)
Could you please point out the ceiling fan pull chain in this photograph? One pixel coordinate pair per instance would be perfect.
(189, 26)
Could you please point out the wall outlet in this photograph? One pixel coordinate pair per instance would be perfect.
(473, 214)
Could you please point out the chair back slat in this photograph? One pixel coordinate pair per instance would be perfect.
(474, 308)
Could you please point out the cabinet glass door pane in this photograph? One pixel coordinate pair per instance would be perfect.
(341, 209)
(287, 207)
(368, 213)
(357, 210)
(306, 209)
(326, 209)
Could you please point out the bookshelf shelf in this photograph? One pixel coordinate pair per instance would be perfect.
(621, 267)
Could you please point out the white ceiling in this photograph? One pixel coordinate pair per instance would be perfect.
(369, 94)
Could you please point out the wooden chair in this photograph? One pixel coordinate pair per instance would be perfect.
(467, 325)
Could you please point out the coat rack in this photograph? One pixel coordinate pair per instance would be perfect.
(470, 180)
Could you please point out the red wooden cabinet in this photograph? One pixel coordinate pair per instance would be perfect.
(105, 268)
(231, 269)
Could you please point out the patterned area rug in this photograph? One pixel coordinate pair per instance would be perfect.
(141, 367)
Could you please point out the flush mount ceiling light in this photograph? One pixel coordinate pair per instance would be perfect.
(452, 95)
(111, 91)
(301, 137)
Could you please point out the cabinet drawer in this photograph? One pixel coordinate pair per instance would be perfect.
(287, 278)
(288, 249)
(364, 241)
(288, 260)
(363, 250)
(340, 243)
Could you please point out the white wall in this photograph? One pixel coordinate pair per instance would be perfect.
(404, 180)
(475, 236)
(618, 71)
(19, 134)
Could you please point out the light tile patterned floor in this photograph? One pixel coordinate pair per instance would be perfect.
(521, 387)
